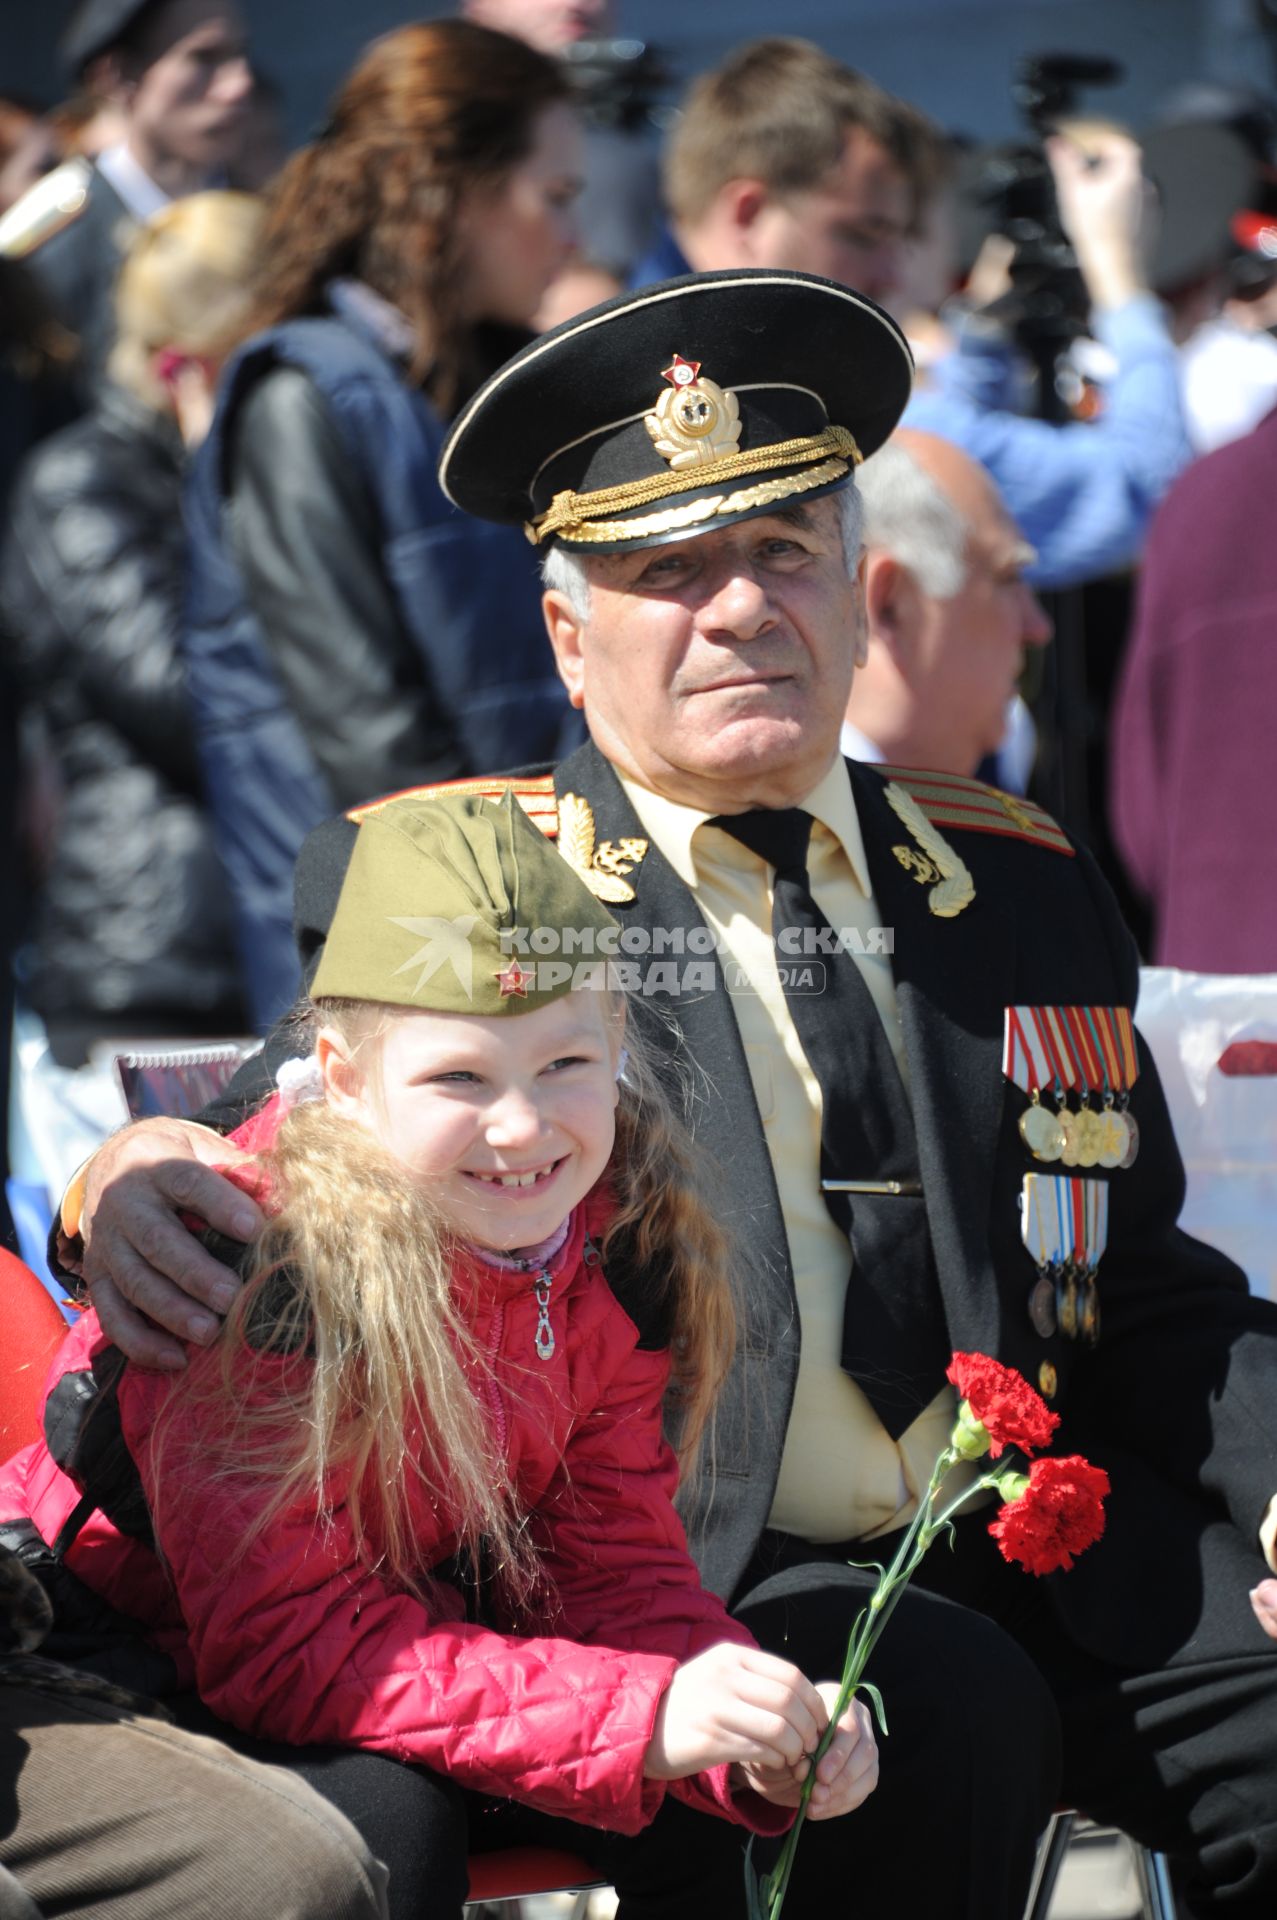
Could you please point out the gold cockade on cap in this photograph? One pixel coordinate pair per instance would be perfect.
(694, 420)
(696, 428)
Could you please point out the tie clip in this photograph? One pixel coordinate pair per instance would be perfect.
(871, 1186)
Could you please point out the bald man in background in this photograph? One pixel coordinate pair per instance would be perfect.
(949, 614)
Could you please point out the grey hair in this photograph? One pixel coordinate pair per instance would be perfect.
(563, 572)
(910, 517)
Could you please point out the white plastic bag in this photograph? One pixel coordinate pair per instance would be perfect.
(1225, 1116)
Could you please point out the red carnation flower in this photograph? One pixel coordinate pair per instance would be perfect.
(1003, 1402)
(1059, 1514)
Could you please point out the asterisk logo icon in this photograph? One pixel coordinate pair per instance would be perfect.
(446, 943)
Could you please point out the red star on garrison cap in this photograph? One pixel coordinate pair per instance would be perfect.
(680, 372)
(514, 979)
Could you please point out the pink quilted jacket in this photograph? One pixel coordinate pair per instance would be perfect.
(296, 1641)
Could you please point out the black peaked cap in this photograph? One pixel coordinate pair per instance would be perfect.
(774, 385)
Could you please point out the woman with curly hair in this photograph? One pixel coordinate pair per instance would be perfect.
(350, 632)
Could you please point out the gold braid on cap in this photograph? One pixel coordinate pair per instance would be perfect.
(576, 511)
(693, 513)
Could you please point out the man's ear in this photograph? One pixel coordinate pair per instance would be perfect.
(567, 636)
(892, 603)
(111, 77)
(738, 207)
(860, 641)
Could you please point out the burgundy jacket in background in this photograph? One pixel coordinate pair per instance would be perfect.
(1194, 740)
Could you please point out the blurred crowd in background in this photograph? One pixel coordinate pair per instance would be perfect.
(234, 600)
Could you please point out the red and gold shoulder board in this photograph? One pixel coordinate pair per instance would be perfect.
(535, 794)
(604, 866)
(949, 801)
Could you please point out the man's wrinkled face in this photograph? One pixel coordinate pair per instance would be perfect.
(547, 25)
(715, 670)
(851, 226)
(189, 82)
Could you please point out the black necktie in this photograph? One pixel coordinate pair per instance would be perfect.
(894, 1341)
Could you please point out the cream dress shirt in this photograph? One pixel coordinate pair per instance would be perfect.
(842, 1477)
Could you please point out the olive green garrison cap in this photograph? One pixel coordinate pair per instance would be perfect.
(433, 885)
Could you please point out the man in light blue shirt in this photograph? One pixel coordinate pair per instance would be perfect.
(1081, 494)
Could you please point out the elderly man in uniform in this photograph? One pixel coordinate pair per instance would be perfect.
(948, 611)
(937, 1151)
(179, 73)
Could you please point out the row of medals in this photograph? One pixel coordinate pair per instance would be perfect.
(1066, 1298)
(1106, 1136)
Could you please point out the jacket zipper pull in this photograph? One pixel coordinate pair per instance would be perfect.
(545, 1332)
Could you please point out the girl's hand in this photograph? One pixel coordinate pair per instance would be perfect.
(1264, 1600)
(846, 1775)
(737, 1706)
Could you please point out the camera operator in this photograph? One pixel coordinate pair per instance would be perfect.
(1082, 494)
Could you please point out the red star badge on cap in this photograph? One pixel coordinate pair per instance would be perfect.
(680, 372)
(514, 979)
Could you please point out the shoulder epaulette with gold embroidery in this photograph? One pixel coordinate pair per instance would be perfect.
(534, 793)
(604, 866)
(44, 209)
(949, 800)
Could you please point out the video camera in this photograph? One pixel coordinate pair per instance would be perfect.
(619, 82)
(1015, 191)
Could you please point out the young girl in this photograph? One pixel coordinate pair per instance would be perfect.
(418, 1503)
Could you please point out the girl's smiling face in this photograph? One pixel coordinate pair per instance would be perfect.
(509, 1120)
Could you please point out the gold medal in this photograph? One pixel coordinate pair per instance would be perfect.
(1088, 1137)
(1111, 1134)
(1132, 1126)
(1090, 1315)
(1068, 1127)
(1041, 1131)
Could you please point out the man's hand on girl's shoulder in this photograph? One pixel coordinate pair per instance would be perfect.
(148, 1276)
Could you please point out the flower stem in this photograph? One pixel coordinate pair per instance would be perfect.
(922, 1530)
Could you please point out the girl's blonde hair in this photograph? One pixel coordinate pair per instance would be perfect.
(185, 284)
(348, 1377)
